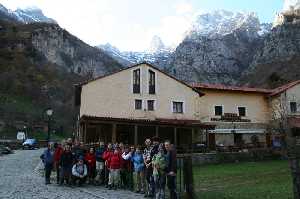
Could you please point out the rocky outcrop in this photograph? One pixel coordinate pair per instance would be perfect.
(217, 49)
(278, 59)
(65, 50)
(29, 15)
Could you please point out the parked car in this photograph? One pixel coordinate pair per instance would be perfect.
(5, 150)
(30, 144)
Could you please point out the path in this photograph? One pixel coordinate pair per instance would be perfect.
(18, 179)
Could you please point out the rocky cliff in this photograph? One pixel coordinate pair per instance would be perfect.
(218, 48)
(65, 50)
(39, 65)
(278, 60)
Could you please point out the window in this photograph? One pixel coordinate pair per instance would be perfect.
(151, 82)
(136, 81)
(242, 111)
(293, 107)
(138, 104)
(218, 110)
(177, 107)
(150, 104)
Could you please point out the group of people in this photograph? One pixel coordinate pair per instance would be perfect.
(142, 169)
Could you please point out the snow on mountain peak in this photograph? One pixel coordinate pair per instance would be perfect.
(27, 15)
(222, 22)
(156, 44)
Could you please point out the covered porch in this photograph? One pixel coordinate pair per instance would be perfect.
(134, 131)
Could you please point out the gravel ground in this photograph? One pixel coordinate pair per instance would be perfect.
(20, 177)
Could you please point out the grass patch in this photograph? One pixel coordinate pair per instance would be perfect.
(248, 180)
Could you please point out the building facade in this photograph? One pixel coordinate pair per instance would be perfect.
(138, 103)
(142, 101)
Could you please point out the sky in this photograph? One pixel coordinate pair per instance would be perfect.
(131, 24)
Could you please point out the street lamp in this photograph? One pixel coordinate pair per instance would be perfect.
(25, 133)
(49, 113)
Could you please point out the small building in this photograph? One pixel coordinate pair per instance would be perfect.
(240, 114)
(285, 107)
(136, 103)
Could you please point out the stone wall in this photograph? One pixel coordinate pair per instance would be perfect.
(230, 157)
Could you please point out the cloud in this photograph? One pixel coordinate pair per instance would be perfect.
(183, 8)
(123, 24)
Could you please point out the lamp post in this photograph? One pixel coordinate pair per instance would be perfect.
(25, 133)
(49, 113)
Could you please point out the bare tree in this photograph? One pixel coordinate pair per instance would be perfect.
(281, 115)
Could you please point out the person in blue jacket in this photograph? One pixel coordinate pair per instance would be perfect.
(48, 160)
(138, 162)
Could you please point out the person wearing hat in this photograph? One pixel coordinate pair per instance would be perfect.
(79, 172)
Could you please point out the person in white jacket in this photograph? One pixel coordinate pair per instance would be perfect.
(79, 172)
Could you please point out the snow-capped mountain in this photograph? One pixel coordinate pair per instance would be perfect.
(28, 15)
(213, 25)
(157, 53)
(218, 48)
(222, 22)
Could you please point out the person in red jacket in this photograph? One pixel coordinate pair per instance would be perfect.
(114, 163)
(58, 150)
(90, 159)
(106, 155)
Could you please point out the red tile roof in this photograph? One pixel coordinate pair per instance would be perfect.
(230, 88)
(156, 121)
(283, 88)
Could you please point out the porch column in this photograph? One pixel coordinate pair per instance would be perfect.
(175, 136)
(114, 133)
(85, 132)
(206, 138)
(193, 135)
(156, 130)
(135, 135)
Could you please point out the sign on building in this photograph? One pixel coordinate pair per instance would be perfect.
(21, 136)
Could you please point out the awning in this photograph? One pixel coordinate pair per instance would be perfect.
(239, 131)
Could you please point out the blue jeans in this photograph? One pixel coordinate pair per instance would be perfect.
(48, 169)
(160, 184)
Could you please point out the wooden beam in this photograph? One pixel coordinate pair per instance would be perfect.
(85, 132)
(193, 135)
(135, 135)
(114, 133)
(175, 136)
